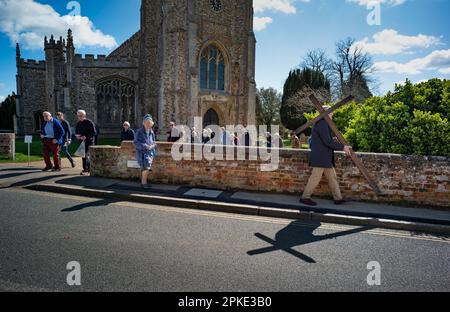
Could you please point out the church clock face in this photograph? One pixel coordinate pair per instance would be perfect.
(216, 5)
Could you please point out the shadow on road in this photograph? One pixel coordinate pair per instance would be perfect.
(298, 234)
(99, 203)
(18, 174)
(29, 182)
(19, 169)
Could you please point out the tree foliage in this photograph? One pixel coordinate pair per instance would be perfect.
(412, 120)
(295, 101)
(7, 111)
(268, 106)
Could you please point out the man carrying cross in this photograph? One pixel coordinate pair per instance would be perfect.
(323, 145)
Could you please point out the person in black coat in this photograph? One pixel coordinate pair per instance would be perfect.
(85, 132)
(323, 145)
(67, 140)
(127, 133)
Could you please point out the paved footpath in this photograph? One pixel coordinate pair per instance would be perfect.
(265, 204)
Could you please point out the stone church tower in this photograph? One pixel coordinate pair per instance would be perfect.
(191, 58)
(198, 60)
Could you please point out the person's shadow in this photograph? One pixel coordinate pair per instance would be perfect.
(298, 234)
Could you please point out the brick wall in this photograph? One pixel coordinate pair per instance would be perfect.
(7, 141)
(423, 181)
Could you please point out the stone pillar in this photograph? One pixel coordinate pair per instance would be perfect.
(7, 144)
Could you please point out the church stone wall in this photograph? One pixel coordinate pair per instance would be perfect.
(87, 72)
(31, 91)
(173, 36)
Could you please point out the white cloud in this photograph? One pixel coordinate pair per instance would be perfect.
(260, 23)
(389, 41)
(372, 3)
(28, 21)
(445, 71)
(438, 60)
(262, 6)
(284, 6)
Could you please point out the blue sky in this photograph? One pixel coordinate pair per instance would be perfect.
(412, 40)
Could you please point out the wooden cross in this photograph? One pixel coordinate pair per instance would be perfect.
(325, 114)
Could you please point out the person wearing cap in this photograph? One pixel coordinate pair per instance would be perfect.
(323, 145)
(145, 144)
(127, 133)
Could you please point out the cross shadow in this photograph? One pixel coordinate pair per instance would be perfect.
(99, 203)
(298, 234)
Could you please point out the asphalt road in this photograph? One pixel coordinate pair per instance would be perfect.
(134, 247)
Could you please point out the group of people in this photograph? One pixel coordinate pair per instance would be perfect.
(56, 136)
(225, 137)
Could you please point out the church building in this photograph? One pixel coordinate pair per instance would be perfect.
(190, 58)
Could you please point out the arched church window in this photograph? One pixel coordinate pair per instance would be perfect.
(212, 69)
(116, 102)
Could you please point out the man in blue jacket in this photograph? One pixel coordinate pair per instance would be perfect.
(323, 145)
(52, 136)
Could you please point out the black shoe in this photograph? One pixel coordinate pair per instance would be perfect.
(73, 164)
(308, 202)
(47, 169)
(339, 202)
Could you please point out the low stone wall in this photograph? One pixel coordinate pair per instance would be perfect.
(7, 144)
(421, 181)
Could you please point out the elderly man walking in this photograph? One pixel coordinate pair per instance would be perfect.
(85, 132)
(52, 135)
(322, 161)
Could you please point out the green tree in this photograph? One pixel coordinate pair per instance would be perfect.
(268, 106)
(7, 111)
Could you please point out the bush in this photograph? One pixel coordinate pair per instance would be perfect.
(412, 120)
(430, 134)
(379, 127)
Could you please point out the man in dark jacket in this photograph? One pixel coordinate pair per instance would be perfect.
(85, 132)
(323, 145)
(67, 137)
(127, 133)
(52, 136)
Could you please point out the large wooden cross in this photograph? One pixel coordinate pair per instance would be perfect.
(325, 114)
